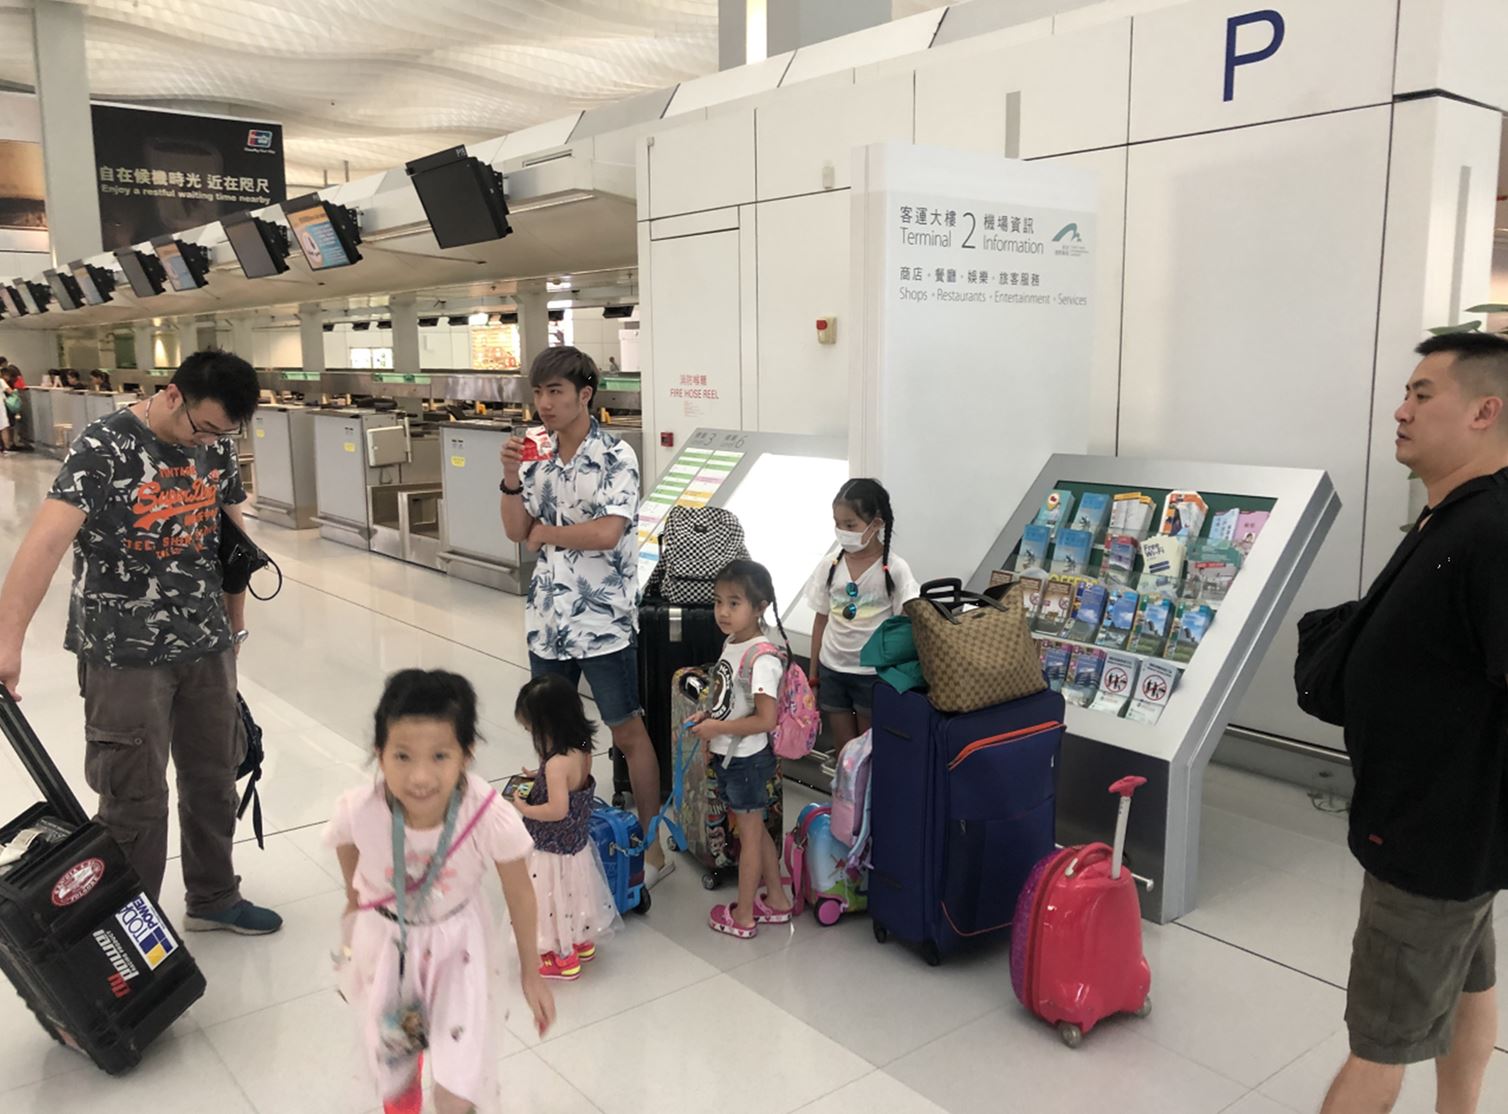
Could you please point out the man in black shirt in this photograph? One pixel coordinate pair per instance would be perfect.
(1426, 723)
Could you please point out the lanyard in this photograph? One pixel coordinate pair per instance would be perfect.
(431, 872)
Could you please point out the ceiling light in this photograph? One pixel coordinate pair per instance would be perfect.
(477, 319)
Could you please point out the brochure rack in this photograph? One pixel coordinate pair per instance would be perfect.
(1163, 843)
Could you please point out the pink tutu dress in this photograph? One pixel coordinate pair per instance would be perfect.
(576, 905)
(453, 958)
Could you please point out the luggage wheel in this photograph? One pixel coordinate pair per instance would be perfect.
(829, 913)
(711, 881)
(1072, 1035)
(618, 800)
(881, 933)
(644, 902)
(1146, 1007)
(931, 954)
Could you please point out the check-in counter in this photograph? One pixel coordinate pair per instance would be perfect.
(356, 451)
(101, 404)
(70, 414)
(282, 440)
(36, 418)
(473, 545)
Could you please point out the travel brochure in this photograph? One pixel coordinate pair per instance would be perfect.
(1120, 589)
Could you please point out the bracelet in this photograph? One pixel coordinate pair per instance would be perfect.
(502, 486)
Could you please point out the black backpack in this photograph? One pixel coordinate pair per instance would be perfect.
(251, 767)
(696, 543)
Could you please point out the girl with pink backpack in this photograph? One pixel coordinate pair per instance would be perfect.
(758, 711)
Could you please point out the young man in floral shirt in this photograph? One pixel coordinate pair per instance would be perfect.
(578, 510)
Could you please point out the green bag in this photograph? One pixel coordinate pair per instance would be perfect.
(891, 653)
(13, 404)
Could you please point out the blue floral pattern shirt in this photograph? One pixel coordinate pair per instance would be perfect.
(584, 604)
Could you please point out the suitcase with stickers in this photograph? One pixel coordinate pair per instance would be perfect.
(90, 953)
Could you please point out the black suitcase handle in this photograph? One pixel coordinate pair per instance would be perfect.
(38, 762)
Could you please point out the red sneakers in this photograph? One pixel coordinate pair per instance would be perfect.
(565, 968)
(586, 952)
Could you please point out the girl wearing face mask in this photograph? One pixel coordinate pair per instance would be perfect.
(855, 588)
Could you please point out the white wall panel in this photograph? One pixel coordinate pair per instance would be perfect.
(1251, 285)
(694, 295)
(873, 44)
(729, 85)
(1109, 170)
(962, 102)
(708, 165)
(1456, 46)
(1438, 262)
(801, 133)
(804, 274)
(1334, 54)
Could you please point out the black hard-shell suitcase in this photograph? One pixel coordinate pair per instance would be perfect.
(671, 638)
(90, 953)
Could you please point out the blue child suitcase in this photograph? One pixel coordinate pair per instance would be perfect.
(620, 846)
(961, 808)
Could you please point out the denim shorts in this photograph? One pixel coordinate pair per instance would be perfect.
(743, 784)
(845, 692)
(613, 678)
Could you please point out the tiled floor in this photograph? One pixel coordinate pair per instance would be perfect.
(673, 1018)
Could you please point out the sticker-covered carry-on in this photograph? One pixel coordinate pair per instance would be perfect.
(702, 825)
(1076, 955)
(961, 808)
(91, 954)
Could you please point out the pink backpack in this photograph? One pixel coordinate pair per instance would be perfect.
(850, 816)
(797, 719)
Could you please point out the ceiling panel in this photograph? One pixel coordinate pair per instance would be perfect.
(373, 83)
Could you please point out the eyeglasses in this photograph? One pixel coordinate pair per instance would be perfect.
(852, 607)
(215, 433)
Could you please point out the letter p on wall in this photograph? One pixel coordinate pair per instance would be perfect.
(1233, 26)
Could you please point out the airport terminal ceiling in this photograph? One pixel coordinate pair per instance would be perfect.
(364, 85)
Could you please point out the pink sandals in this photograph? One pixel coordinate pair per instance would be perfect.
(721, 920)
(763, 914)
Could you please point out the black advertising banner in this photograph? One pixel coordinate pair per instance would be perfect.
(164, 172)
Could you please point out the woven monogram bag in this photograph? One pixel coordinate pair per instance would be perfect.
(975, 652)
(696, 543)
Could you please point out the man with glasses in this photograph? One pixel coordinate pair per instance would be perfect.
(139, 499)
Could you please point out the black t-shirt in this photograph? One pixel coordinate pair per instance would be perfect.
(1427, 706)
(146, 568)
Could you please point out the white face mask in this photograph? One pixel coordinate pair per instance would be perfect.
(853, 542)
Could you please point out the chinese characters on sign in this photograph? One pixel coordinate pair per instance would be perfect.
(166, 172)
(946, 252)
(692, 390)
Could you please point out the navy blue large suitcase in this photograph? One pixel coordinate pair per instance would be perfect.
(961, 808)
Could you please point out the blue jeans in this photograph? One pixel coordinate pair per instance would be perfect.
(744, 783)
(613, 679)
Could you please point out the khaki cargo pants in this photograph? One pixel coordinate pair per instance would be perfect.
(134, 718)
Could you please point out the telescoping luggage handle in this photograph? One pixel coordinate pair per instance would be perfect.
(38, 762)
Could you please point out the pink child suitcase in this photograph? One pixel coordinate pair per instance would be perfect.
(1076, 950)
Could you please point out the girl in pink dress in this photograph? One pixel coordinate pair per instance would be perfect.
(422, 955)
(576, 906)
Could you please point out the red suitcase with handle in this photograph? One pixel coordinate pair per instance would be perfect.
(1076, 949)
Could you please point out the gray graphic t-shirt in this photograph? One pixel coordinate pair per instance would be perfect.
(146, 570)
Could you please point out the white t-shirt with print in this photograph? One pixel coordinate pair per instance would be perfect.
(733, 694)
(844, 638)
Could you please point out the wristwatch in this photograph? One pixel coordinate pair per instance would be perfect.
(240, 637)
(502, 485)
